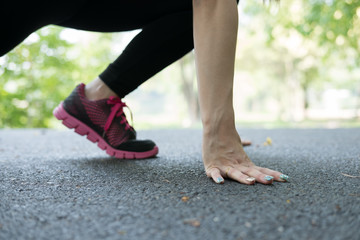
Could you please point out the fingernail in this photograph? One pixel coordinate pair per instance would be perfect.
(250, 179)
(284, 177)
(268, 178)
(219, 180)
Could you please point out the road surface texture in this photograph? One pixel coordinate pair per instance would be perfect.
(58, 185)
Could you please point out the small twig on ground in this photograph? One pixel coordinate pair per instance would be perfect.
(347, 175)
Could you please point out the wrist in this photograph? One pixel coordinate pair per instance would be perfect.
(218, 124)
(215, 115)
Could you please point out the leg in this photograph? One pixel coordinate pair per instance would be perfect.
(165, 37)
(159, 44)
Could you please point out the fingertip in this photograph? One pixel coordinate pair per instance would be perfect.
(284, 178)
(219, 180)
(278, 176)
(250, 180)
(216, 176)
(269, 179)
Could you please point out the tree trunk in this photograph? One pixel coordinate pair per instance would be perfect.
(305, 89)
(188, 89)
(357, 107)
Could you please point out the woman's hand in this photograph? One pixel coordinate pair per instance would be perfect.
(224, 157)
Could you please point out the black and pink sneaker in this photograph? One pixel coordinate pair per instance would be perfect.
(104, 122)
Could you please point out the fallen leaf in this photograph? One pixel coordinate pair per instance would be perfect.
(185, 199)
(288, 201)
(122, 232)
(347, 175)
(192, 222)
(269, 140)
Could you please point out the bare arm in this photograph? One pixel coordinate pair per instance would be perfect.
(215, 34)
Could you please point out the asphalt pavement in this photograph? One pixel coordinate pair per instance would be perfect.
(58, 185)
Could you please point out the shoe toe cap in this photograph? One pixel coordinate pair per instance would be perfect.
(136, 145)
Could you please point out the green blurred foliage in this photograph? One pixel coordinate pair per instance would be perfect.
(298, 45)
(31, 81)
(42, 71)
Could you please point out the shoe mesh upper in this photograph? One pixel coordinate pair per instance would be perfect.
(94, 114)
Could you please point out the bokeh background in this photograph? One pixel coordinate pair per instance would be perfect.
(297, 65)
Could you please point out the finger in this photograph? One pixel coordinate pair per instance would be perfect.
(237, 175)
(278, 176)
(214, 173)
(245, 143)
(259, 176)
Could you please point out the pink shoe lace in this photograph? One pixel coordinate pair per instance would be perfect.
(117, 111)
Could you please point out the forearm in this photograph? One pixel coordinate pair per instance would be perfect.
(215, 33)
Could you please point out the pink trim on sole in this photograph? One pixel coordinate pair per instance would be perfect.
(82, 129)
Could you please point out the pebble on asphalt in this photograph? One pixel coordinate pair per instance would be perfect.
(192, 222)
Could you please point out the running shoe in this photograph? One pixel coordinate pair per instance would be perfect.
(104, 122)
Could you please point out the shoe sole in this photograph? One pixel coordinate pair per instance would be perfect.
(82, 129)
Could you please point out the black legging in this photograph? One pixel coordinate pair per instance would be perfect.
(167, 32)
(165, 37)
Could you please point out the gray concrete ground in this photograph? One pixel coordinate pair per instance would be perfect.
(58, 185)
